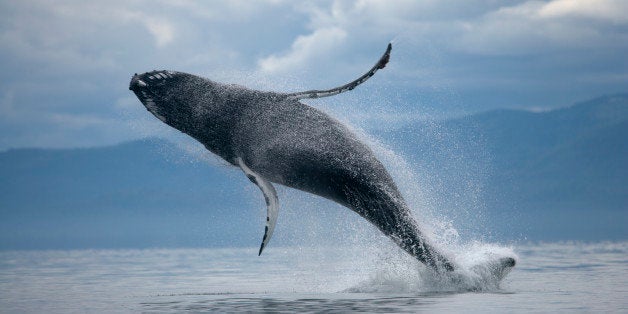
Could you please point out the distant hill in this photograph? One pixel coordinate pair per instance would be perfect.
(559, 174)
(139, 194)
(553, 175)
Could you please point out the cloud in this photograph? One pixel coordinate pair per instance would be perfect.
(304, 49)
(535, 27)
(604, 10)
(78, 36)
(162, 31)
(109, 16)
(69, 62)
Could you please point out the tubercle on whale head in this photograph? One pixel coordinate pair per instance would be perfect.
(152, 78)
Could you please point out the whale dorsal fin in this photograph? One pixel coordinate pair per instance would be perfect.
(381, 63)
(270, 196)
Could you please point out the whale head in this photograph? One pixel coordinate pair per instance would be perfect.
(158, 90)
(190, 103)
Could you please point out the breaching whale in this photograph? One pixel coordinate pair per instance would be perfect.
(274, 138)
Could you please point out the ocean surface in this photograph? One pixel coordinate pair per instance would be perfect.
(549, 277)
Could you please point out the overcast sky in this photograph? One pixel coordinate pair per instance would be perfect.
(66, 65)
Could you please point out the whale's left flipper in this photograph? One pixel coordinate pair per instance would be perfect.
(381, 63)
(272, 202)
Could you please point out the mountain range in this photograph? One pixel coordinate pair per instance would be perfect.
(512, 175)
(560, 174)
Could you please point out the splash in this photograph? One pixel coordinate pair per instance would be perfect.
(480, 266)
(479, 269)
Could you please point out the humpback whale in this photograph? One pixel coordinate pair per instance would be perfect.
(276, 139)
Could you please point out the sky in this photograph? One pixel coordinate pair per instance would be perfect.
(66, 65)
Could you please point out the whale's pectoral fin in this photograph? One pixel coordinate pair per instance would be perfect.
(272, 202)
(381, 63)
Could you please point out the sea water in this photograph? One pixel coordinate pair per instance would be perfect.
(569, 277)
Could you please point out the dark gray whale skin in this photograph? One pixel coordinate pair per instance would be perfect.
(288, 143)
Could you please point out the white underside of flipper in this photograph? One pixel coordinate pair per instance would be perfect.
(270, 196)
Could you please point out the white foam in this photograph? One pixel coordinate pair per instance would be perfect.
(478, 270)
